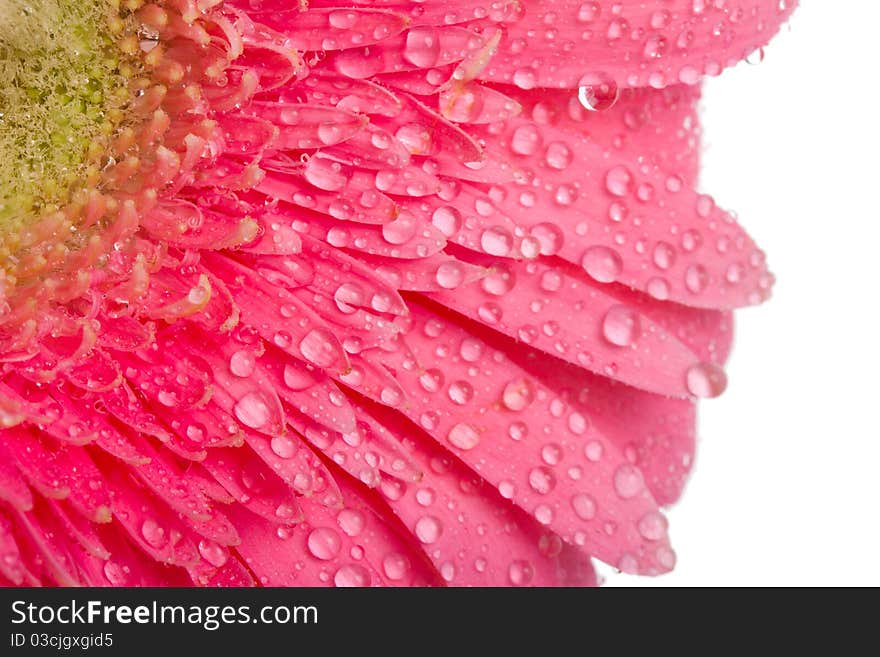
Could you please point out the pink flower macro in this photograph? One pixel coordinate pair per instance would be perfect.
(396, 293)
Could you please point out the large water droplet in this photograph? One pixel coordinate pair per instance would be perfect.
(395, 566)
(517, 395)
(463, 436)
(351, 575)
(602, 264)
(324, 543)
(428, 529)
(242, 363)
(618, 181)
(252, 410)
(628, 481)
(620, 326)
(598, 92)
(706, 380)
(319, 347)
(526, 140)
(584, 506)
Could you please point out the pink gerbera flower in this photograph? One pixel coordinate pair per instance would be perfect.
(395, 293)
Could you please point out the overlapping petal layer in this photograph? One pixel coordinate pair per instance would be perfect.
(368, 296)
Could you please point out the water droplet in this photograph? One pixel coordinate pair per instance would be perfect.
(395, 566)
(696, 278)
(652, 526)
(297, 379)
(319, 347)
(283, 446)
(551, 454)
(460, 392)
(518, 395)
(428, 529)
(153, 533)
(447, 220)
(558, 156)
(422, 46)
(628, 481)
(252, 410)
(658, 288)
(602, 264)
(621, 326)
(499, 281)
(549, 236)
(401, 230)
(542, 480)
(664, 255)
(351, 521)
(706, 380)
(351, 575)
(431, 380)
(324, 543)
(593, 451)
(525, 78)
(584, 506)
(449, 275)
(618, 181)
(496, 241)
(463, 436)
(213, 553)
(526, 140)
(242, 363)
(520, 572)
(598, 92)
(755, 57)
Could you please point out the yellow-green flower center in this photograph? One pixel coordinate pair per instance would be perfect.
(63, 83)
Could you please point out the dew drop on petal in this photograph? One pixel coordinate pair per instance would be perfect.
(242, 363)
(520, 572)
(628, 481)
(618, 181)
(549, 236)
(558, 155)
(351, 521)
(428, 529)
(395, 566)
(517, 395)
(542, 480)
(318, 347)
(463, 436)
(526, 140)
(324, 543)
(351, 576)
(620, 326)
(252, 410)
(652, 526)
(496, 241)
(602, 264)
(584, 506)
(449, 275)
(706, 380)
(598, 92)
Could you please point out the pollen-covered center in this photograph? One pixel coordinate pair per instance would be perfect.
(63, 84)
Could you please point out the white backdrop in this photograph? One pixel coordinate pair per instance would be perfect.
(786, 488)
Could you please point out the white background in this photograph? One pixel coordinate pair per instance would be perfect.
(786, 488)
